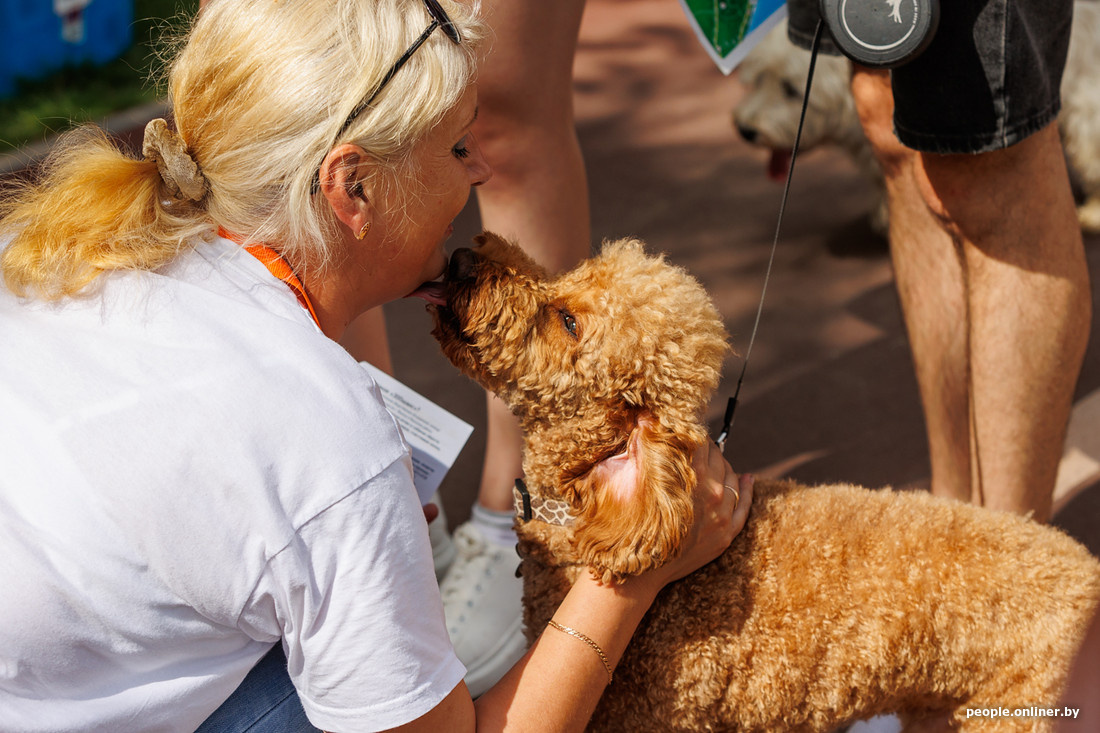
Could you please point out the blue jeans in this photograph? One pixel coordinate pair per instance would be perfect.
(265, 702)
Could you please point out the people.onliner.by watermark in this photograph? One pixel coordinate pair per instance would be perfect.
(1029, 712)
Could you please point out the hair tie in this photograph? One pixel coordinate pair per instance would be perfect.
(177, 168)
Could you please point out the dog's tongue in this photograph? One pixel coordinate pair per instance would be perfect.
(779, 165)
(431, 292)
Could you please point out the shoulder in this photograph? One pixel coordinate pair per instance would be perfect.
(199, 398)
(257, 353)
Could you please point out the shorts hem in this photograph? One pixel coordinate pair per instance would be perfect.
(974, 143)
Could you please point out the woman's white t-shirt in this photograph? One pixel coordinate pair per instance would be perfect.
(191, 472)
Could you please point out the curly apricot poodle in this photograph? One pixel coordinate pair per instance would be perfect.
(834, 603)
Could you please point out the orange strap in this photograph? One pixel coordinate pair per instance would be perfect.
(278, 267)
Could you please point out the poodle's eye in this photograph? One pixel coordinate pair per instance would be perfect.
(791, 91)
(569, 322)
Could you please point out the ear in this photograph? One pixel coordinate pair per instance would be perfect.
(635, 509)
(343, 176)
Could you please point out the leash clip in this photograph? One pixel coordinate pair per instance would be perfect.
(727, 423)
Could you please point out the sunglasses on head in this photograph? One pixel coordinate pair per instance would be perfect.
(440, 19)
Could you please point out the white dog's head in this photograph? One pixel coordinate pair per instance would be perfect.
(774, 75)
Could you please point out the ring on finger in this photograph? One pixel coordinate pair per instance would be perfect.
(736, 495)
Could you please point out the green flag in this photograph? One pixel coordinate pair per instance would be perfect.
(729, 28)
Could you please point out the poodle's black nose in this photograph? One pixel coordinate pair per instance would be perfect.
(749, 133)
(463, 264)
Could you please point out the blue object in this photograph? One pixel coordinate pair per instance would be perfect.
(38, 37)
(266, 702)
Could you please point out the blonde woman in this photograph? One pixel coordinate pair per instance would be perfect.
(538, 195)
(196, 478)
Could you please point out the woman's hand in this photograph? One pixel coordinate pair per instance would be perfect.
(722, 501)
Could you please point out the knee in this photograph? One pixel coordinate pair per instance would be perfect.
(502, 132)
(1022, 186)
(518, 137)
(517, 106)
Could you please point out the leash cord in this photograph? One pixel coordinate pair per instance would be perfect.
(731, 405)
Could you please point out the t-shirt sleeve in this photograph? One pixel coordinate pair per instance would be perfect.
(360, 614)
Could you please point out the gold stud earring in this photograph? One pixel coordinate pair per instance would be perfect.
(363, 232)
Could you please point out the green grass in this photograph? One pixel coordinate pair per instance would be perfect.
(85, 93)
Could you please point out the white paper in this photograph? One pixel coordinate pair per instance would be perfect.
(434, 435)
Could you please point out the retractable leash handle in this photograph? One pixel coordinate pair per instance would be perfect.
(882, 34)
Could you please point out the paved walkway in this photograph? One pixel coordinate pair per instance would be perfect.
(830, 392)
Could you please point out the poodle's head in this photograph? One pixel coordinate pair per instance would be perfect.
(774, 77)
(609, 367)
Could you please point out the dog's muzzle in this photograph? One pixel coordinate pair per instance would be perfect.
(462, 266)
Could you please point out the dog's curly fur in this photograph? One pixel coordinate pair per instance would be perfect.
(833, 604)
(774, 75)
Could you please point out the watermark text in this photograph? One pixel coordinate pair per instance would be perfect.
(1031, 712)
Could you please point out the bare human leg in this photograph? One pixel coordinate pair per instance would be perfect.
(991, 274)
(539, 192)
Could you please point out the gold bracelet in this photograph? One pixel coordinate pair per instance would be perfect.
(574, 633)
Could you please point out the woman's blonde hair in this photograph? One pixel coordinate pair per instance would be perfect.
(259, 92)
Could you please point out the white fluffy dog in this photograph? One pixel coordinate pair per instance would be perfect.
(774, 75)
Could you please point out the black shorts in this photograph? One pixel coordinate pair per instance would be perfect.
(990, 77)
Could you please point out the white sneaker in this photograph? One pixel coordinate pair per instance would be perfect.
(443, 549)
(483, 603)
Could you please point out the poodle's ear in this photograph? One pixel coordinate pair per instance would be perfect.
(635, 509)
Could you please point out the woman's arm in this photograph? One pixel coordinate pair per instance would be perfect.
(557, 684)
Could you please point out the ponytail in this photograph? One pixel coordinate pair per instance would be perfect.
(259, 91)
(92, 209)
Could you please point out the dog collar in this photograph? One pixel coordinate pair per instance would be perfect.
(551, 511)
